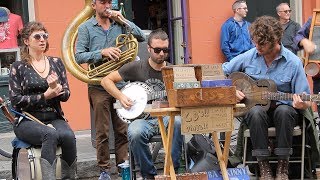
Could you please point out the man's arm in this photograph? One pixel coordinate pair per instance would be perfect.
(136, 31)
(224, 42)
(302, 38)
(108, 83)
(83, 53)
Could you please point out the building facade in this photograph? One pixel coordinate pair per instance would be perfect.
(194, 28)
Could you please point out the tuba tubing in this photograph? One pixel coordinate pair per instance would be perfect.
(68, 44)
(93, 76)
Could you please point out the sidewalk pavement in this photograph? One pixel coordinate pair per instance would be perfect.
(86, 166)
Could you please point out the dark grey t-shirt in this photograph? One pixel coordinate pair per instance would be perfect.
(143, 72)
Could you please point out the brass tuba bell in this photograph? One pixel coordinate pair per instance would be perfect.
(94, 73)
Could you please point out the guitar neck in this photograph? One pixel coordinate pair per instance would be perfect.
(288, 96)
(157, 95)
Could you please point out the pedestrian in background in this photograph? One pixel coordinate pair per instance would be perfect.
(235, 37)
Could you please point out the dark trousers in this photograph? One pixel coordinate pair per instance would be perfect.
(102, 104)
(284, 118)
(316, 89)
(37, 134)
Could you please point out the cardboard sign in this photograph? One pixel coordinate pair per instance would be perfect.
(212, 70)
(206, 119)
(184, 74)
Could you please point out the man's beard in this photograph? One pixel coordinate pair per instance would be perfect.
(157, 60)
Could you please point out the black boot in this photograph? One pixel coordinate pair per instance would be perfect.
(282, 170)
(265, 170)
(68, 172)
(48, 171)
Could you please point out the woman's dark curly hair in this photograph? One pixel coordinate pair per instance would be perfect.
(26, 33)
(266, 29)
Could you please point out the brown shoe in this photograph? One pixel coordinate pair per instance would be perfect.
(265, 170)
(282, 170)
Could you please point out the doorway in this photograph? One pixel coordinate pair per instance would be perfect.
(19, 7)
(150, 14)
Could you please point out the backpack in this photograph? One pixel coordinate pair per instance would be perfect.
(200, 150)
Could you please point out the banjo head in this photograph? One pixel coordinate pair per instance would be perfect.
(138, 93)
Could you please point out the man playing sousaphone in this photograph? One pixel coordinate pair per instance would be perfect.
(97, 40)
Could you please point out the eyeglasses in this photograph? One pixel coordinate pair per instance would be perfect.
(158, 50)
(286, 11)
(38, 36)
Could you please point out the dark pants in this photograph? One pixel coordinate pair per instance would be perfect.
(37, 134)
(316, 89)
(283, 118)
(102, 104)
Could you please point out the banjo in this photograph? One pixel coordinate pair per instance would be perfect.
(140, 93)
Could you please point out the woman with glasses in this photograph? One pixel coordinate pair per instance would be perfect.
(37, 84)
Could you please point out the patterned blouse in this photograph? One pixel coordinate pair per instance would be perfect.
(27, 87)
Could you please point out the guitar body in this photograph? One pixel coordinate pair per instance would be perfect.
(253, 91)
(138, 93)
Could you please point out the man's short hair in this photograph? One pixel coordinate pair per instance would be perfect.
(266, 29)
(157, 34)
(281, 4)
(237, 3)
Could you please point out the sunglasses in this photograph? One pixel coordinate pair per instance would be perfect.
(38, 36)
(158, 50)
(286, 11)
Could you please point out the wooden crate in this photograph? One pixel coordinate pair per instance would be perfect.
(202, 96)
(168, 77)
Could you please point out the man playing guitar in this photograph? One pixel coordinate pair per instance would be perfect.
(271, 60)
(140, 131)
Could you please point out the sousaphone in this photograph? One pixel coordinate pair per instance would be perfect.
(93, 73)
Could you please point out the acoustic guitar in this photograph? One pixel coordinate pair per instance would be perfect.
(261, 92)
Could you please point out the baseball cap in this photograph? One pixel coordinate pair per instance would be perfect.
(3, 15)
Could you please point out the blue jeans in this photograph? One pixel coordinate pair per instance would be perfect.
(140, 131)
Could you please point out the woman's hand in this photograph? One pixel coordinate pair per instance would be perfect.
(53, 92)
(52, 80)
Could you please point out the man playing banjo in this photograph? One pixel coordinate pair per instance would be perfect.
(140, 131)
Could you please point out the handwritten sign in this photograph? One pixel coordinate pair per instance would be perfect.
(181, 74)
(206, 119)
(212, 70)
